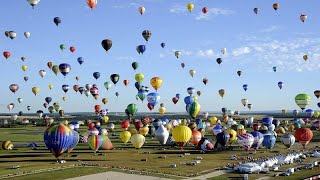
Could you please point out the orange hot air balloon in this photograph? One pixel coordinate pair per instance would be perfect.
(50, 65)
(156, 82)
(97, 107)
(196, 137)
(6, 54)
(126, 82)
(72, 49)
(104, 100)
(275, 6)
(303, 135)
(92, 3)
(241, 131)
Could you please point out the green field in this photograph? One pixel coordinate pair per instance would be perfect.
(123, 158)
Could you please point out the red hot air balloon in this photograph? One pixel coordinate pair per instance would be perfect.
(204, 10)
(175, 100)
(92, 3)
(125, 124)
(72, 49)
(97, 107)
(6, 54)
(303, 135)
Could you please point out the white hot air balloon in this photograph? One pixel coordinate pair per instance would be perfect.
(244, 102)
(27, 34)
(162, 134)
(192, 72)
(224, 50)
(42, 73)
(33, 3)
(288, 140)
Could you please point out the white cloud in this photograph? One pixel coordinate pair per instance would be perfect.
(177, 9)
(214, 12)
(240, 51)
(121, 6)
(206, 53)
(272, 28)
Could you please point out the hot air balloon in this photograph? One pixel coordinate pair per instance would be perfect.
(246, 141)
(132, 109)
(288, 140)
(64, 69)
(72, 49)
(181, 134)
(204, 10)
(115, 78)
(192, 72)
(55, 69)
(96, 75)
(222, 92)
(156, 82)
(35, 90)
(33, 3)
(302, 100)
(190, 7)
(177, 54)
(14, 88)
(6, 54)
(141, 10)
(303, 17)
(317, 93)
(244, 102)
(62, 47)
(280, 84)
(27, 34)
(146, 34)
(95, 142)
(239, 73)
(258, 139)
(274, 68)
(92, 3)
(163, 45)
(58, 138)
(249, 106)
(126, 82)
(137, 140)
(153, 99)
(245, 87)
(65, 88)
(193, 109)
(106, 44)
(303, 135)
(275, 6)
(269, 140)
(50, 86)
(305, 57)
(94, 91)
(125, 136)
(219, 60)
(25, 78)
(256, 10)
(57, 20)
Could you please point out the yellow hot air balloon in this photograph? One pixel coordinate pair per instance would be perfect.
(65, 122)
(133, 131)
(55, 69)
(222, 92)
(156, 82)
(184, 122)
(316, 114)
(213, 120)
(137, 140)
(284, 111)
(50, 64)
(144, 130)
(195, 98)
(50, 86)
(181, 134)
(139, 77)
(190, 7)
(233, 136)
(125, 136)
(64, 98)
(162, 110)
(168, 127)
(305, 57)
(24, 67)
(105, 119)
(35, 90)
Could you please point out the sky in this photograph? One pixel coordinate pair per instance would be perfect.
(255, 43)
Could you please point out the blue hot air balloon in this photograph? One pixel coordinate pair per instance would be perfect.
(267, 121)
(156, 123)
(64, 69)
(48, 99)
(165, 120)
(57, 20)
(80, 60)
(25, 78)
(245, 87)
(222, 138)
(58, 138)
(274, 68)
(138, 85)
(141, 49)
(178, 96)
(65, 88)
(309, 112)
(75, 141)
(153, 98)
(96, 75)
(268, 140)
(76, 125)
(276, 122)
(188, 100)
(163, 45)
(280, 84)
(257, 139)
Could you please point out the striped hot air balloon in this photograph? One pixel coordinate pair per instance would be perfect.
(64, 68)
(95, 142)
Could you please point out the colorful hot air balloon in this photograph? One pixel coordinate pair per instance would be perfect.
(95, 142)
(14, 88)
(92, 3)
(244, 102)
(64, 68)
(246, 141)
(141, 10)
(269, 140)
(303, 17)
(181, 134)
(274, 68)
(258, 139)
(302, 100)
(193, 109)
(65, 88)
(58, 138)
(50, 65)
(280, 84)
(115, 78)
(156, 82)
(146, 34)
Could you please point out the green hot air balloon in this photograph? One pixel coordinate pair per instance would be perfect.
(135, 65)
(62, 47)
(193, 109)
(132, 109)
(303, 100)
(107, 85)
(56, 106)
(55, 69)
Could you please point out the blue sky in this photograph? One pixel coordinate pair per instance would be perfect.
(255, 43)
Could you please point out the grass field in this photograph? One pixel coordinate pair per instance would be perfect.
(123, 157)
